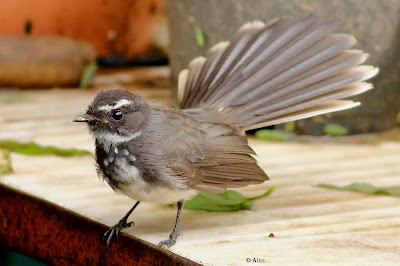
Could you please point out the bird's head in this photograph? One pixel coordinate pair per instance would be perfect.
(115, 116)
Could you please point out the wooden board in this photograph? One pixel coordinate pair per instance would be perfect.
(310, 224)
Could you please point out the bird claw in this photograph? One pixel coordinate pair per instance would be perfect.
(170, 241)
(115, 230)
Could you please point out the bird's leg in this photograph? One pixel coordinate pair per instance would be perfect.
(122, 224)
(175, 233)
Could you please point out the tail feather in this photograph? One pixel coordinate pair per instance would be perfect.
(309, 81)
(182, 80)
(339, 83)
(270, 51)
(330, 67)
(223, 64)
(318, 109)
(213, 57)
(287, 69)
(192, 75)
(273, 78)
(342, 93)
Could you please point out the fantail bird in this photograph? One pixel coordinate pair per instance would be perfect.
(288, 69)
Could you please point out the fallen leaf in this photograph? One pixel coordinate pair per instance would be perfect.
(228, 201)
(271, 135)
(12, 98)
(335, 130)
(289, 127)
(31, 148)
(366, 188)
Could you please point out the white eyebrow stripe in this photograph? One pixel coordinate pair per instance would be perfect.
(122, 102)
(117, 104)
(105, 108)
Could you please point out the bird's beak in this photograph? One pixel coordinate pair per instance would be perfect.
(89, 118)
(82, 118)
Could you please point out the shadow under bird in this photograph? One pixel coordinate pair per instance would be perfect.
(288, 69)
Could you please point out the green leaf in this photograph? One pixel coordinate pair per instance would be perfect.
(13, 98)
(288, 127)
(398, 119)
(31, 148)
(271, 134)
(366, 188)
(88, 73)
(335, 130)
(228, 201)
(5, 162)
(200, 40)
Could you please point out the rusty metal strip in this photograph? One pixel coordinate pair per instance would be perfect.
(55, 235)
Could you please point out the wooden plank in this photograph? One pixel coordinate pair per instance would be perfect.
(310, 224)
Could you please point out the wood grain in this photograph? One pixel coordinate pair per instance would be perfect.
(310, 224)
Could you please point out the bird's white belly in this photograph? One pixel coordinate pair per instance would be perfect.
(142, 191)
(135, 187)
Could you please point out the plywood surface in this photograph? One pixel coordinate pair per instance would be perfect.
(310, 224)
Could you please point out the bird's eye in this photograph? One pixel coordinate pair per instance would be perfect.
(117, 114)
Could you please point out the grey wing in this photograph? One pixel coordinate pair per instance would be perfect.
(228, 164)
(211, 156)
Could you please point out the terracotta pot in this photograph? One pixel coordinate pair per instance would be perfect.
(33, 61)
(119, 27)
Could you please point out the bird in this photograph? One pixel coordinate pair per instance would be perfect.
(287, 69)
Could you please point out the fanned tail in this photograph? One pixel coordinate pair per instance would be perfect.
(288, 69)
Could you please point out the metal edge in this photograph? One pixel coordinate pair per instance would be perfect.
(55, 235)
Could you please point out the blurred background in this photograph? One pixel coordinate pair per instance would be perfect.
(102, 44)
(50, 43)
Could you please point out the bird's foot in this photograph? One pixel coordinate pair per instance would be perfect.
(114, 231)
(170, 241)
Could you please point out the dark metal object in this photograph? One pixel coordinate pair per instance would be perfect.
(55, 235)
(119, 61)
